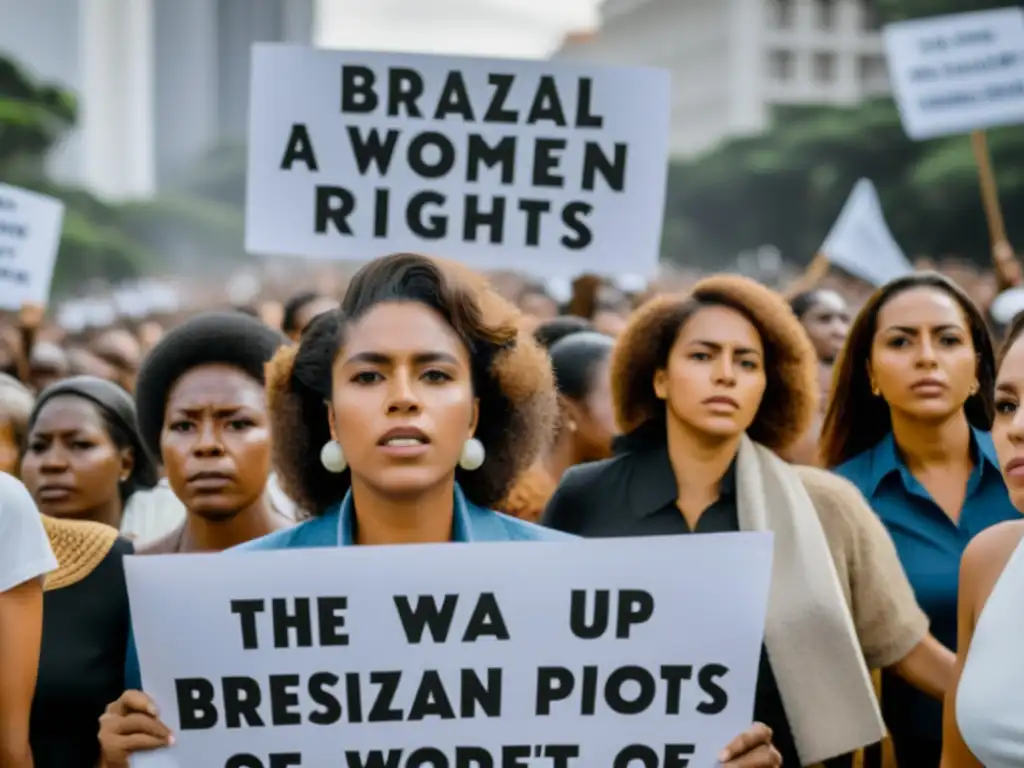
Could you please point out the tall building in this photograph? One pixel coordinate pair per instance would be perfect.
(158, 81)
(733, 61)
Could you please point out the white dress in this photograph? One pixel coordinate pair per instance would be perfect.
(990, 697)
(25, 552)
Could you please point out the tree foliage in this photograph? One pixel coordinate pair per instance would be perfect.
(786, 187)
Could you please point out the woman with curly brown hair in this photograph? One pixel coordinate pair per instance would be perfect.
(707, 387)
(402, 418)
(909, 426)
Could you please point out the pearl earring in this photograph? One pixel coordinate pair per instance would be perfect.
(473, 455)
(332, 457)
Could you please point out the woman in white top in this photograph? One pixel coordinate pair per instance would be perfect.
(983, 723)
(25, 556)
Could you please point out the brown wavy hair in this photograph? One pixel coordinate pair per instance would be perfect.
(511, 378)
(857, 419)
(791, 394)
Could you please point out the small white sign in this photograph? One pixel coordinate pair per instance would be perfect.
(547, 167)
(30, 227)
(584, 654)
(959, 73)
(860, 241)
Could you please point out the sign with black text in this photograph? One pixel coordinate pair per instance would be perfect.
(30, 227)
(958, 73)
(615, 653)
(551, 167)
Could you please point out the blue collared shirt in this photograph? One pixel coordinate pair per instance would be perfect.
(336, 528)
(930, 544)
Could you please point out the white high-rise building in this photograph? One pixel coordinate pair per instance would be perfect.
(733, 61)
(158, 81)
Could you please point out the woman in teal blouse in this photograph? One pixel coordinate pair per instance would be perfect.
(908, 425)
(401, 419)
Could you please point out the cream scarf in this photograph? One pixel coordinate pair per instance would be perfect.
(809, 634)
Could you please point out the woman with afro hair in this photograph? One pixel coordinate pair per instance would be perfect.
(402, 418)
(707, 388)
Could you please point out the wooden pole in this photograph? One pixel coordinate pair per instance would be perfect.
(1007, 268)
(814, 273)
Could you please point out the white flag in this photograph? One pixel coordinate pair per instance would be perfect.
(860, 241)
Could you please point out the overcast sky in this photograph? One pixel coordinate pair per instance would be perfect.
(519, 28)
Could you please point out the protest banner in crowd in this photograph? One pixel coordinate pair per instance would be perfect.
(578, 655)
(550, 167)
(30, 227)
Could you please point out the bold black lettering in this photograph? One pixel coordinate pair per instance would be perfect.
(627, 755)
(553, 684)
(357, 94)
(472, 219)
(706, 678)
(13, 230)
(446, 155)
(533, 210)
(578, 612)
(382, 711)
(561, 754)
(473, 757)
(674, 675)
(573, 216)
(438, 228)
(474, 693)
(242, 698)
(424, 756)
(635, 607)
(427, 613)
(333, 206)
(319, 691)
(517, 756)
(595, 161)
(546, 161)
(284, 699)
(496, 112)
(630, 674)
(454, 99)
(300, 621)
(431, 699)
(354, 697)
(487, 620)
(547, 104)
(374, 759)
(381, 211)
(405, 86)
(678, 755)
(196, 711)
(330, 615)
(243, 761)
(299, 148)
(246, 611)
(371, 150)
(280, 760)
(585, 118)
(480, 152)
(588, 691)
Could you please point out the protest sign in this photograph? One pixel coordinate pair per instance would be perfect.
(960, 73)
(860, 242)
(551, 167)
(616, 653)
(30, 226)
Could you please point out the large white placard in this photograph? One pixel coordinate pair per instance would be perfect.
(552, 167)
(860, 241)
(618, 653)
(960, 73)
(30, 226)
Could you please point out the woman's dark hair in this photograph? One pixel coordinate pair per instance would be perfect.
(790, 365)
(117, 410)
(857, 419)
(803, 302)
(225, 338)
(1010, 338)
(550, 332)
(16, 403)
(574, 360)
(511, 378)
